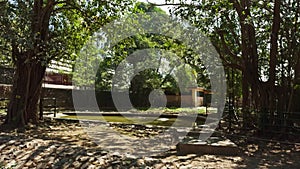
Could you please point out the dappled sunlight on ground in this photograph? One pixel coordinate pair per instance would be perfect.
(61, 144)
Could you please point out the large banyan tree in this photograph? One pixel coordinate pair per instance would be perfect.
(259, 41)
(35, 32)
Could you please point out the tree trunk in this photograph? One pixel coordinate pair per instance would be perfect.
(23, 105)
(245, 101)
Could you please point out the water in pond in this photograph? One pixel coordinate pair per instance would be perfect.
(182, 122)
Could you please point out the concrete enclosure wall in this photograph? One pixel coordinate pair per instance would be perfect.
(104, 100)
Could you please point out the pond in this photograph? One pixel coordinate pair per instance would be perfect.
(140, 119)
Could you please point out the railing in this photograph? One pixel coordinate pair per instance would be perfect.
(48, 103)
(284, 122)
(279, 123)
(45, 103)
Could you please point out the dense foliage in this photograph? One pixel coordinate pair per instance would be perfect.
(93, 53)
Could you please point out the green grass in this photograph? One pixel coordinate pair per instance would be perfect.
(198, 110)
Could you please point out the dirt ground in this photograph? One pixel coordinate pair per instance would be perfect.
(56, 144)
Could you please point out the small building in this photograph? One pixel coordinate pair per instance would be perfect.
(59, 73)
(57, 78)
(200, 96)
(197, 97)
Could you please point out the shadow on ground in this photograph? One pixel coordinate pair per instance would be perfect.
(56, 144)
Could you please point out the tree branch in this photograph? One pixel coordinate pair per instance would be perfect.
(227, 49)
(233, 33)
(173, 4)
(274, 43)
(237, 7)
(226, 62)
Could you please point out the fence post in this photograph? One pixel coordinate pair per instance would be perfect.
(54, 107)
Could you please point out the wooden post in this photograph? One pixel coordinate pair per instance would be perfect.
(41, 108)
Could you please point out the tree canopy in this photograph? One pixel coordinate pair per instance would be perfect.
(148, 79)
